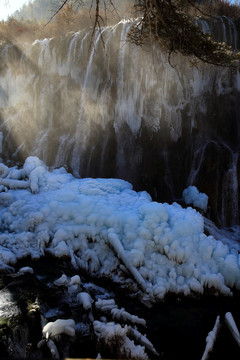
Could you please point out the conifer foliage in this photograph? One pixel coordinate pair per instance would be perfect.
(171, 23)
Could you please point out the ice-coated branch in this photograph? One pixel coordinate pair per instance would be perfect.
(232, 327)
(53, 349)
(142, 339)
(105, 305)
(14, 184)
(111, 333)
(117, 247)
(109, 330)
(11, 178)
(4, 170)
(210, 339)
(122, 314)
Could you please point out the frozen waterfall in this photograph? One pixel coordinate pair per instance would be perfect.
(126, 112)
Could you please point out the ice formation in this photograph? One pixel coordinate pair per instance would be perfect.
(1, 139)
(108, 229)
(211, 338)
(122, 314)
(111, 333)
(25, 269)
(58, 327)
(191, 195)
(84, 299)
(120, 339)
(232, 327)
(105, 305)
(63, 280)
(109, 305)
(52, 347)
(75, 280)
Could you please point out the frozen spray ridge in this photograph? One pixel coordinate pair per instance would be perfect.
(104, 226)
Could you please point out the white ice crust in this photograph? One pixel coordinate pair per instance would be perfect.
(104, 226)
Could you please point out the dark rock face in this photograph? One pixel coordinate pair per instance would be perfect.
(127, 113)
(17, 327)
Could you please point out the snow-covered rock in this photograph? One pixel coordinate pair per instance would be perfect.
(58, 327)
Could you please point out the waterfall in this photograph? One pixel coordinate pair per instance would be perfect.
(81, 131)
(125, 111)
(221, 28)
(224, 184)
(230, 212)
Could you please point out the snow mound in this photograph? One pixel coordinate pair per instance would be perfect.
(108, 229)
(191, 195)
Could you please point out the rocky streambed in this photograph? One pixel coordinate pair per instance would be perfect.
(108, 321)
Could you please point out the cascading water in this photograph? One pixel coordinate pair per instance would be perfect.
(222, 29)
(126, 112)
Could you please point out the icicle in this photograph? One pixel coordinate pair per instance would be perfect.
(232, 327)
(71, 252)
(119, 251)
(211, 338)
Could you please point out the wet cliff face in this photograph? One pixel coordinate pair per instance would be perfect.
(126, 112)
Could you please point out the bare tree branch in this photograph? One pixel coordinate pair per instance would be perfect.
(56, 12)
